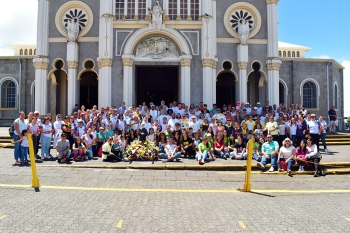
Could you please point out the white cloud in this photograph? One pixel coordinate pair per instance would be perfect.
(346, 83)
(323, 57)
(18, 23)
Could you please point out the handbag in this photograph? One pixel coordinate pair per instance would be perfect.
(283, 165)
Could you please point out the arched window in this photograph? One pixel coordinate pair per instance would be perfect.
(26, 52)
(289, 54)
(21, 52)
(8, 94)
(310, 95)
(336, 95)
(298, 54)
(284, 53)
(293, 54)
(30, 52)
(172, 9)
(279, 54)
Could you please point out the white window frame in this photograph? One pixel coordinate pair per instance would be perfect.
(317, 89)
(16, 100)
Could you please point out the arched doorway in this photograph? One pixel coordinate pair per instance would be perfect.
(59, 89)
(282, 93)
(225, 89)
(88, 89)
(255, 84)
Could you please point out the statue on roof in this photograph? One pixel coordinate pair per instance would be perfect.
(157, 16)
(243, 31)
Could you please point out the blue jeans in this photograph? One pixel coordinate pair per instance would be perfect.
(272, 159)
(90, 154)
(236, 156)
(203, 156)
(221, 154)
(323, 139)
(293, 138)
(290, 164)
(255, 156)
(165, 156)
(24, 152)
(45, 145)
(67, 154)
(17, 151)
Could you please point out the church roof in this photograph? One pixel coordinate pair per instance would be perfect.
(284, 45)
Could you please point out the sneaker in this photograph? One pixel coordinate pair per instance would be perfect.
(260, 165)
(271, 169)
(164, 160)
(42, 157)
(289, 173)
(280, 170)
(325, 150)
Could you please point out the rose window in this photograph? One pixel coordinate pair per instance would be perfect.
(240, 15)
(77, 15)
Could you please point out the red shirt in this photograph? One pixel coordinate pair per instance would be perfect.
(217, 145)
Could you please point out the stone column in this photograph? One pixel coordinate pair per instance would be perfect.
(242, 59)
(185, 83)
(178, 17)
(128, 80)
(208, 50)
(105, 53)
(189, 10)
(72, 62)
(136, 16)
(41, 61)
(273, 60)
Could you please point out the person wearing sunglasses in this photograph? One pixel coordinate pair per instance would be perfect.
(269, 153)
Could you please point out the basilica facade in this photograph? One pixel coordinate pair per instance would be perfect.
(215, 51)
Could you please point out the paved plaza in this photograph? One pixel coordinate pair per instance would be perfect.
(133, 200)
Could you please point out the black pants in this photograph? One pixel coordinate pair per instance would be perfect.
(316, 140)
(112, 158)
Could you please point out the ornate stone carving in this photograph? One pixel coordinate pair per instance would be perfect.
(156, 47)
(72, 64)
(185, 62)
(242, 65)
(105, 62)
(243, 17)
(209, 63)
(273, 66)
(41, 65)
(128, 61)
(157, 16)
(80, 15)
(272, 1)
(74, 20)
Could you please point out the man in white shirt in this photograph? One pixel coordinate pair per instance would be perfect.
(162, 115)
(194, 124)
(314, 129)
(153, 112)
(220, 116)
(114, 119)
(259, 110)
(172, 122)
(180, 109)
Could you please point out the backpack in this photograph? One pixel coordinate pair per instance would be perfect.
(12, 130)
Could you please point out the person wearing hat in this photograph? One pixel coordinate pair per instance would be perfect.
(80, 129)
(194, 124)
(219, 116)
(259, 108)
(248, 108)
(287, 155)
(315, 126)
(269, 151)
(107, 153)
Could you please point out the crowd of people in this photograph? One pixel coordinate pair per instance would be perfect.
(282, 135)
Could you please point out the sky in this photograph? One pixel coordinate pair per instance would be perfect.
(322, 25)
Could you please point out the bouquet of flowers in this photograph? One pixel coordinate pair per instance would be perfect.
(141, 150)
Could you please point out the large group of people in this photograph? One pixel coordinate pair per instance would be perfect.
(282, 135)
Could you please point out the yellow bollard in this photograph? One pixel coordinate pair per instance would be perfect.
(35, 180)
(247, 185)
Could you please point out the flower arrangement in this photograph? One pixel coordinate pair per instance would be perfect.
(141, 150)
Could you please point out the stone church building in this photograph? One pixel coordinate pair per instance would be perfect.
(216, 51)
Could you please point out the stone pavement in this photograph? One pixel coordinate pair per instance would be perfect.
(115, 200)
